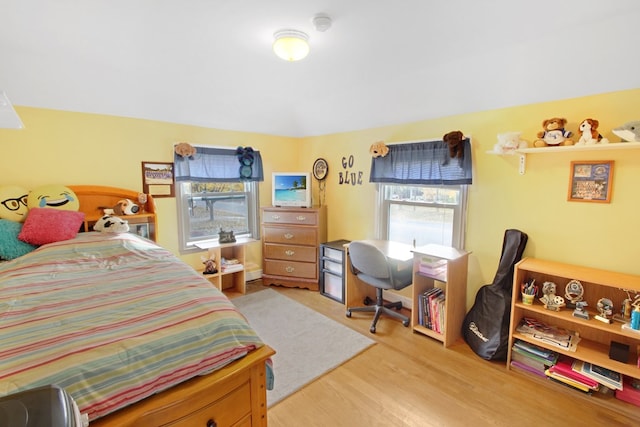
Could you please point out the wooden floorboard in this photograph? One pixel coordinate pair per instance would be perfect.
(407, 379)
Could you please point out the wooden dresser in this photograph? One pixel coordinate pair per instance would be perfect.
(290, 241)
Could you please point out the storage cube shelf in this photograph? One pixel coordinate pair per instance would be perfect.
(234, 280)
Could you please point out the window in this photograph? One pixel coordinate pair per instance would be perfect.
(422, 214)
(217, 189)
(205, 208)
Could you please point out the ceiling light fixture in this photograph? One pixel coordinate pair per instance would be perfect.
(291, 45)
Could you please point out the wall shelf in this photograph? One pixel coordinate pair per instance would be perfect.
(522, 152)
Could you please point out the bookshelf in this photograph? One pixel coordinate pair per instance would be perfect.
(595, 336)
(444, 267)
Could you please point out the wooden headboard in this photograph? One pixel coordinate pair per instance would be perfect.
(94, 198)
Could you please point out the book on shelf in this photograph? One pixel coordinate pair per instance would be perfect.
(532, 361)
(564, 368)
(527, 368)
(431, 308)
(604, 376)
(551, 335)
(230, 268)
(569, 383)
(546, 356)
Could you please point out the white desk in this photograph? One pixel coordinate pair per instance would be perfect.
(355, 290)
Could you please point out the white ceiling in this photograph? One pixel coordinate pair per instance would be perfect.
(209, 62)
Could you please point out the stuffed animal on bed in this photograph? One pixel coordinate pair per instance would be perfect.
(111, 224)
(13, 203)
(123, 207)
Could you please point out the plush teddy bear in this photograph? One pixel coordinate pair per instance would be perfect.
(378, 149)
(123, 207)
(629, 132)
(111, 224)
(508, 142)
(455, 141)
(554, 133)
(185, 150)
(246, 158)
(590, 134)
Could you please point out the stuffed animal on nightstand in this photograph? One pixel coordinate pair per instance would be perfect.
(554, 134)
(590, 135)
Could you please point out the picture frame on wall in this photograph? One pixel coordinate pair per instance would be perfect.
(158, 179)
(591, 181)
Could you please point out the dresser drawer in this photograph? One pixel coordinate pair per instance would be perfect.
(295, 217)
(305, 270)
(290, 235)
(233, 408)
(289, 252)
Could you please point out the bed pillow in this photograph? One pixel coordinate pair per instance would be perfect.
(47, 225)
(10, 246)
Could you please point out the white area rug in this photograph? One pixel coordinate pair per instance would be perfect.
(307, 343)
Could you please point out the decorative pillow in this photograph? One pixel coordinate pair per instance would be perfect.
(47, 225)
(10, 246)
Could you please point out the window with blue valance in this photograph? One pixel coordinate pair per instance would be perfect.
(426, 163)
(217, 165)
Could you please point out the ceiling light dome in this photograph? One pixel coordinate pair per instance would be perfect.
(291, 45)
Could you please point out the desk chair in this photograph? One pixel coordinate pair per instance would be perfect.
(371, 266)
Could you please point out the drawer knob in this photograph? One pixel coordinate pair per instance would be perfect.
(212, 423)
(301, 217)
(275, 217)
(289, 252)
(289, 269)
(288, 236)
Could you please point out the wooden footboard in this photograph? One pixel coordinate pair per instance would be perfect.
(235, 395)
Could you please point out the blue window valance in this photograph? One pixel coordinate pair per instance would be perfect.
(217, 165)
(426, 163)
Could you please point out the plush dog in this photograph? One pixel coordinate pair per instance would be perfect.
(111, 224)
(378, 149)
(185, 150)
(590, 134)
(455, 141)
(123, 207)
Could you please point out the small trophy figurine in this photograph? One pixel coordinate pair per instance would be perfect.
(605, 308)
(580, 311)
(142, 200)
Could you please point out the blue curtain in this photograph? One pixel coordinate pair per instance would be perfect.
(427, 163)
(216, 165)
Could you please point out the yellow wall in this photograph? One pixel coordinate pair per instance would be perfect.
(74, 148)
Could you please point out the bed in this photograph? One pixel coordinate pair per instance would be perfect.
(133, 334)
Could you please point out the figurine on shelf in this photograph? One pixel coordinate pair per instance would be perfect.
(580, 311)
(573, 292)
(605, 308)
(226, 236)
(549, 298)
(209, 264)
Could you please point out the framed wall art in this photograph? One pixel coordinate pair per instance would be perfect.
(157, 179)
(591, 181)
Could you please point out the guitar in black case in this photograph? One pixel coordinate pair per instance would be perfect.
(486, 325)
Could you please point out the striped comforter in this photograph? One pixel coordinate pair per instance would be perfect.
(112, 318)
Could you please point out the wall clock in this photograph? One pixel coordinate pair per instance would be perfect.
(320, 169)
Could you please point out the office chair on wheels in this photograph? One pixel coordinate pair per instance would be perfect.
(371, 266)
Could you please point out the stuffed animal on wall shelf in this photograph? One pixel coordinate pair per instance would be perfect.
(554, 133)
(378, 149)
(508, 142)
(629, 132)
(589, 133)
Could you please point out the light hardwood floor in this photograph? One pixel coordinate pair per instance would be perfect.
(407, 379)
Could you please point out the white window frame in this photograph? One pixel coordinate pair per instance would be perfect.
(459, 211)
(190, 245)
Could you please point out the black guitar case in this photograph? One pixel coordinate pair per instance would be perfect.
(486, 325)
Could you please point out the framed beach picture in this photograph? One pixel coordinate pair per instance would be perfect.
(591, 181)
(157, 179)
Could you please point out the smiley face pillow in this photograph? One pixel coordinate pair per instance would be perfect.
(53, 215)
(13, 212)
